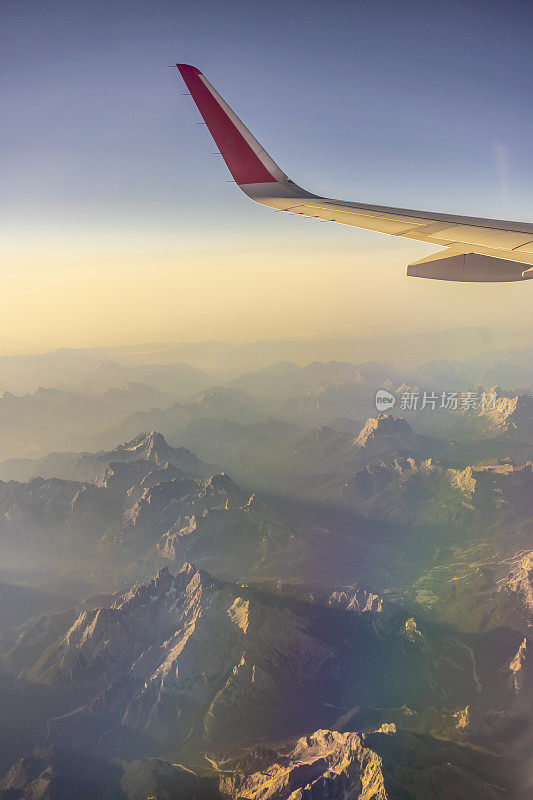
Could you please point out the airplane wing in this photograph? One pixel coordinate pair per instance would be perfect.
(476, 249)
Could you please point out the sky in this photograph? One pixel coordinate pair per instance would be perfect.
(120, 225)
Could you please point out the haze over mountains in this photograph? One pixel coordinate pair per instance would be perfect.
(101, 367)
(227, 582)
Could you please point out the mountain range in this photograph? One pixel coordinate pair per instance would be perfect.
(248, 583)
(186, 663)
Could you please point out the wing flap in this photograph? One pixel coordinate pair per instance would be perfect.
(482, 237)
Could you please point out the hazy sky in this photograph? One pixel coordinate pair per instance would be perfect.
(119, 224)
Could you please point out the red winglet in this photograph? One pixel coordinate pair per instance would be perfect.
(242, 161)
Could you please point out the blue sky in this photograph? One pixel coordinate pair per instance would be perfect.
(424, 105)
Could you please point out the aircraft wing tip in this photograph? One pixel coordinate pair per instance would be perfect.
(184, 68)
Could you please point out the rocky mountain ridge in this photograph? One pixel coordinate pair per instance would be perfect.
(188, 661)
(148, 500)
